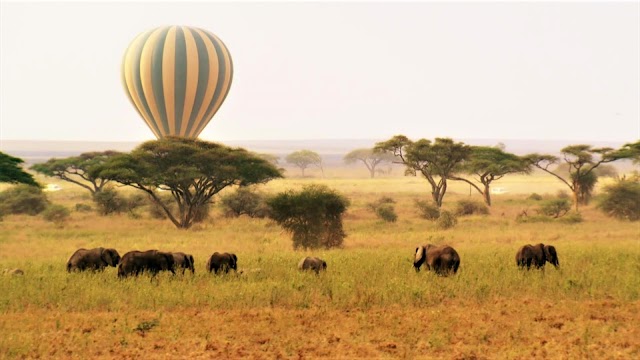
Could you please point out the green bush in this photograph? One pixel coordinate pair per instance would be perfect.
(245, 201)
(384, 209)
(555, 208)
(428, 210)
(446, 220)
(23, 199)
(313, 216)
(622, 200)
(534, 197)
(387, 213)
(109, 201)
(571, 218)
(56, 214)
(83, 207)
(469, 207)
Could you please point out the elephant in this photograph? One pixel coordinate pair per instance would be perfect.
(184, 261)
(312, 263)
(537, 256)
(154, 261)
(441, 259)
(93, 259)
(222, 262)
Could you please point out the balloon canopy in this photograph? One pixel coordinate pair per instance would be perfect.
(177, 77)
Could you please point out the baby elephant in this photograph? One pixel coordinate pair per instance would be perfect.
(537, 256)
(183, 261)
(441, 259)
(93, 259)
(312, 263)
(222, 262)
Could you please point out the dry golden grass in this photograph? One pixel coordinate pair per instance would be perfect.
(370, 303)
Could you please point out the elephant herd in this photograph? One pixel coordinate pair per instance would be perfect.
(151, 261)
(443, 260)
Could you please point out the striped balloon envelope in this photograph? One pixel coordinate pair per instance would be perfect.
(177, 77)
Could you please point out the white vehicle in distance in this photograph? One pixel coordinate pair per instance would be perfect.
(499, 190)
(52, 187)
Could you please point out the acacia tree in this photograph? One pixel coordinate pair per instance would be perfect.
(78, 169)
(303, 159)
(437, 161)
(489, 164)
(582, 160)
(12, 172)
(369, 157)
(193, 171)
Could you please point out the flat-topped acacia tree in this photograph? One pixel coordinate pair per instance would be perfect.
(582, 160)
(489, 164)
(436, 161)
(371, 158)
(78, 169)
(193, 171)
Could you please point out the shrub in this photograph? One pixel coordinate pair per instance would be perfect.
(156, 211)
(428, 210)
(23, 199)
(313, 215)
(468, 207)
(244, 201)
(384, 209)
(56, 214)
(446, 220)
(555, 208)
(83, 207)
(109, 201)
(562, 194)
(571, 218)
(387, 213)
(622, 200)
(535, 197)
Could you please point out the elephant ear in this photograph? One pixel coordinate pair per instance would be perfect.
(107, 256)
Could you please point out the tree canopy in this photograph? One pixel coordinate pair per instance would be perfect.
(12, 172)
(303, 159)
(192, 170)
(489, 164)
(369, 157)
(436, 161)
(78, 170)
(582, 160)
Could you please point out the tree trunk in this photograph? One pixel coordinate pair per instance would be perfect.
(487, 195)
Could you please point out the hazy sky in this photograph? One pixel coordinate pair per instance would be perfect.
(318, 70)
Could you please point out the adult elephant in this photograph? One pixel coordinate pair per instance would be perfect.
(183, 261)
(443, 260)
(93, 259)
(312, 263)
(153, 261)
(222, 262)
(537, 256)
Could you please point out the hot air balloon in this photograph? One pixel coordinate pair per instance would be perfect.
(177, 77)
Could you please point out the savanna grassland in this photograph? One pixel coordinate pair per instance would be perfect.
(369, 304)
